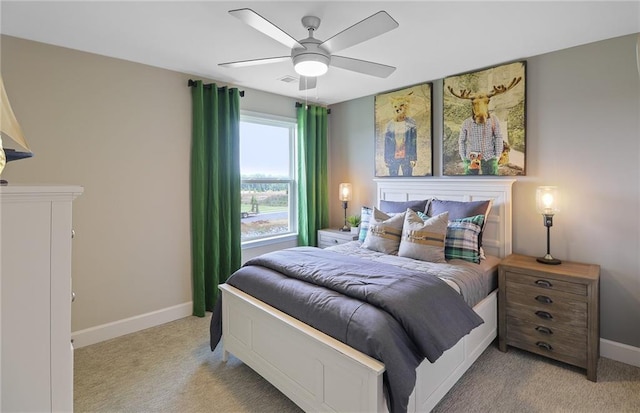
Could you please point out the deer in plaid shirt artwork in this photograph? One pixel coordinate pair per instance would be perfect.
(480, 142)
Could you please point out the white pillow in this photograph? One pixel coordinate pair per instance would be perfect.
(423, 240)
(384, 232)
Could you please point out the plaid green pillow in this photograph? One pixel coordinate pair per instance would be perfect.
(462, 239)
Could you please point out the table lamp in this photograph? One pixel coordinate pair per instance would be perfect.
(345, 197)
(547, 205)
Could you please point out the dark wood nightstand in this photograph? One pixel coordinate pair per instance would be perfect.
(551, 310)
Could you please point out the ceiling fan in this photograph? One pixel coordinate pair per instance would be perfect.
(312, 57)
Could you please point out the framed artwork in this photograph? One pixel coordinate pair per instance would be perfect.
(484, 119)
(403, 129)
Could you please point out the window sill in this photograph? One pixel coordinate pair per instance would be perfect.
(269, 241)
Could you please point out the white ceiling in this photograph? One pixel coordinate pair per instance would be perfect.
(435, 38)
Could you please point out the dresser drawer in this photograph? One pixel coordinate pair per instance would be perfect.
(547, 283)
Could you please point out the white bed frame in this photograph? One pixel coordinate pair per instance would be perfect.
(319, 373)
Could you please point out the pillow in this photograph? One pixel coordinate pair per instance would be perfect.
(460, 209)
(395, 207)
(462, 241)
(365, 216)
(384, 232)
(423, 240)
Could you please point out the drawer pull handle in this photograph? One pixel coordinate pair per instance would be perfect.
(544, 314)
(544, 345)
(544, 299)
(335, 241)
(544, 330)
(544, 283)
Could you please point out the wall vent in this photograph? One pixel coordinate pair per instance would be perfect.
(288, 79)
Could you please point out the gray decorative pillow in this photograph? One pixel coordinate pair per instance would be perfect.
(461, 209)
(396, 207)
(384, 232)
(424, 240)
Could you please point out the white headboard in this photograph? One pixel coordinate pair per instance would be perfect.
(496, 239)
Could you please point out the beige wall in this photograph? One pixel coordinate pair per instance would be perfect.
(583, 135)
(122, 131)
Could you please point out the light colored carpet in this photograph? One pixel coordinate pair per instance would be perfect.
(170, 368)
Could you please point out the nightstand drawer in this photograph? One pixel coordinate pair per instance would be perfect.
(329, 242)
(552, 307)
(547, 283)
(562, 349)
(567, 341)
(331, 237)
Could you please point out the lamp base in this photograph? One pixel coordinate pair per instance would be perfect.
(548, 259)
(345, 228)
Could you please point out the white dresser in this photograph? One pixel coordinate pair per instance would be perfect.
(36, 353)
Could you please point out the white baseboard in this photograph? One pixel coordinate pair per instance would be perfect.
(609, 349)
(620, 352)
(119, 328)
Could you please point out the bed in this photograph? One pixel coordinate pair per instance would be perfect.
(320, 373)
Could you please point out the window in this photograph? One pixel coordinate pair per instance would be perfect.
(268, 190)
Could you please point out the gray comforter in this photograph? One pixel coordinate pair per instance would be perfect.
(392, 314)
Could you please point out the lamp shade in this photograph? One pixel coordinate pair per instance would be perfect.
(547, 200)
(345, 192)
(11, 135)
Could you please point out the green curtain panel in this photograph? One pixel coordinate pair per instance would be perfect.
(313, 198)
(215, 191)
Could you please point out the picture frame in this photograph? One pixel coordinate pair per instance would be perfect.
(404, 132)
(484, 122)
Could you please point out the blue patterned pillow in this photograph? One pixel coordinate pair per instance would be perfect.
(365, 217)
(462, 240)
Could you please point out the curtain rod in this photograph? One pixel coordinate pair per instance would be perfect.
(192, 83)
(299, 105)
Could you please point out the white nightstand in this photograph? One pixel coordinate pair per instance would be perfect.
(328, 237)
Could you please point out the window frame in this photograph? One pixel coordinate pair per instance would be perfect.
(291, 124)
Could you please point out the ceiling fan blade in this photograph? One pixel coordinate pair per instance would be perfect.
(372, 26)
(362, 66)
(307, 83)
(254, 62)
(264, 26)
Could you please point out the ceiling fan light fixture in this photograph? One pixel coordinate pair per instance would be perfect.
(311, 65)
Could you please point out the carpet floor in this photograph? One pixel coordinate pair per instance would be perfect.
(170, 368)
